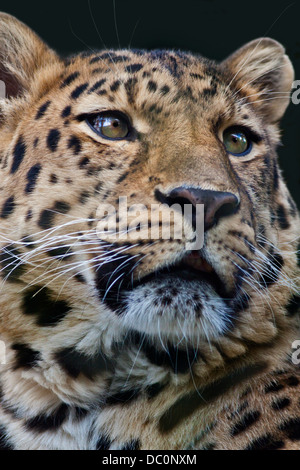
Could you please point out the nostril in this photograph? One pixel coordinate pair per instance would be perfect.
(228, 208)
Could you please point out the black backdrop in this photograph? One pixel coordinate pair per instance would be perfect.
(213, 28)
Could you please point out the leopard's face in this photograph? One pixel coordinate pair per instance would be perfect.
(157, 128)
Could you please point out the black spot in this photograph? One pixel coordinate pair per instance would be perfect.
(282, 218)
(66, 112)
(83, 162)
(292, 381)
(53, 178)
(272, 270)
(84, 197)
(79, 90)
(80, 412)
(209, 91)
(178, 360)
(97, 85)
(32, 177)
(267, 442)
(115, 85)
(123, 177)
(75, 144)
(28, 242)
(152, 86)
(293, 306)
(18, 154)
(49, 311)
(53, 139)
(79, 278)
(25, 356)
(69, 79)
(29, 215)
(61, 252)
(46, 219)
(50, 422)
(119, 58)
(165, 90)
(8, 207)
(132, 68)
(62, 207)
(154, 390)
(74, 362)
(129, 87)
(36, 141)
(273, 387)
(101, 57)
(247, 420)
(11, 263)
(155, 109)
(132, 445)
(292, 429)
(166, 300)
(197, 76)
(168, 61)
(281, 403)
(4, 443)
(42, 110)
(123, 397)
(241, 304)
(103, 443)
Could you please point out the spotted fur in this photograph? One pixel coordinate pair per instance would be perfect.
(101, 354)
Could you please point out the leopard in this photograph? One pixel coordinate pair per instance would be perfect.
(127, 339)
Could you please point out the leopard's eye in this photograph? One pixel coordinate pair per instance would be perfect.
(236, 141)
(110, 125)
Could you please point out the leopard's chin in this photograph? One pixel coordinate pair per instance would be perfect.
(179, 303)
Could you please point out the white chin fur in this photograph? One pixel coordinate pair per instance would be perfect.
(195, 312)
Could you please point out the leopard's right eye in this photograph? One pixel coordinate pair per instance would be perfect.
(236, 141)
(111, 125)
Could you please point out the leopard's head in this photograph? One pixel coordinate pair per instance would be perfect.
(162, 130)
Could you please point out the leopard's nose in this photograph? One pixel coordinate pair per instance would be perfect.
(217, 204)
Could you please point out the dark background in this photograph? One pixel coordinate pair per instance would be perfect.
(212, 28)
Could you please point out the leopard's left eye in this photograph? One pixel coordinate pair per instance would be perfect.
(236, 141)
(110, 125)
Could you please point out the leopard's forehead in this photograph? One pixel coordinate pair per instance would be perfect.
(174, 63)
(159, 73)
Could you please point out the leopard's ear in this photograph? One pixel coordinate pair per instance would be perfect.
(22, 54)
(263, 71)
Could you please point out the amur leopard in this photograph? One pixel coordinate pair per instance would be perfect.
(143, 343)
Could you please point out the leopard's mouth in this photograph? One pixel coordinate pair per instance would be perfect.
(192, 267)
(191, 276)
